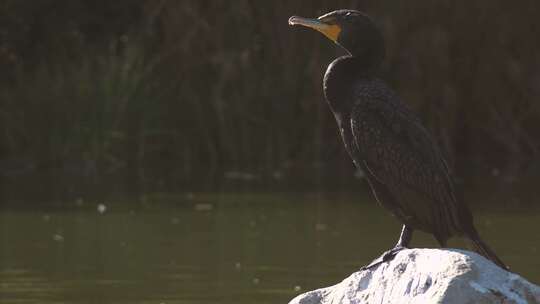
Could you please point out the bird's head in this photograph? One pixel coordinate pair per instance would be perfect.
(352, 30)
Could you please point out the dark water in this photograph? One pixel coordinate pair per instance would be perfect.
(216, 248)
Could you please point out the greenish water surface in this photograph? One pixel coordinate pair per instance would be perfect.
(216, 248)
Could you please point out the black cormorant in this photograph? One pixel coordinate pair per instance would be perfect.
(404, 167)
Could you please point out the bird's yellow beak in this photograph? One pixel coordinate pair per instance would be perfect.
(329, 30)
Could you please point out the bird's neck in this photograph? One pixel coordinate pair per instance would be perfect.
(341, 78)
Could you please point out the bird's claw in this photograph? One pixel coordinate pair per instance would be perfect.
(385, 257)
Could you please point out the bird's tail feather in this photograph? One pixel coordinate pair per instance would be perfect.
(483, 249)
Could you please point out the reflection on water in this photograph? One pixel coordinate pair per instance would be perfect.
(215, 248)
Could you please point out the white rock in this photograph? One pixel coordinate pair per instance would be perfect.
(429, 276)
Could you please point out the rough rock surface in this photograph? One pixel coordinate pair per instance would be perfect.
(429, 276)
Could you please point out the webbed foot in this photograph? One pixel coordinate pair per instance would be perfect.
(385, 257)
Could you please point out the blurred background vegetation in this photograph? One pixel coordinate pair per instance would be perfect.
(181, 150)
(102, 97)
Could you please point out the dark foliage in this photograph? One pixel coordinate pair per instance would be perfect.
(162, 91)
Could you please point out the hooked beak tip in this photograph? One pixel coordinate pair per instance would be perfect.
(293, 20)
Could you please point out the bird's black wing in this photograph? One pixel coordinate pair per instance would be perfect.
(400, 156)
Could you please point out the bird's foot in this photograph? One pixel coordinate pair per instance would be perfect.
(385, 257)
